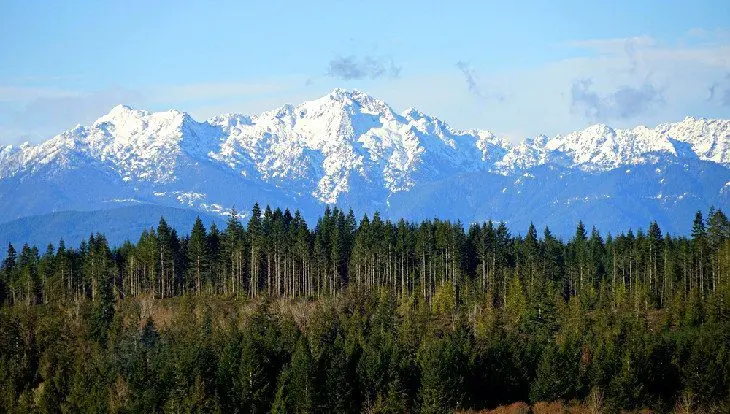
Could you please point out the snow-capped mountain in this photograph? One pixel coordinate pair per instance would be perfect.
(602, 148)
(324, 147)
(136, 145)
(351, 149)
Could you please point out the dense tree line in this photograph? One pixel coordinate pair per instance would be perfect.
(371, 315)
(277, 254)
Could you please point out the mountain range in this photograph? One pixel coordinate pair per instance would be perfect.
(352, 150)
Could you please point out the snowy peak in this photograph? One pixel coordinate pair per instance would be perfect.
(135, 144)
(709, 138)
(601, 148)
(345, 107)
(324, 146)
(120, 112)
(124, 122)
(344, 144)
(354, 150)
(146, 146)
(358, 99)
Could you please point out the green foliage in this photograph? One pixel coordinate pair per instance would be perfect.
(444, 367)
(372, 316)
(557, 374)
(297, 383)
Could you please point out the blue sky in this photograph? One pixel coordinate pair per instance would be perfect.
(516, 69)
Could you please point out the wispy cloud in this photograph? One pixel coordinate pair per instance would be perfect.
(623, 103)
(630, 49)
(473, 85)
(368, 67)
(632, 94)
(471, 82)
(720, 92)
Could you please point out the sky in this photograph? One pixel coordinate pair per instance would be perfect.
(519, 70)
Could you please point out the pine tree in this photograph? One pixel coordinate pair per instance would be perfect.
(296, 388)
(10, 259)
(442, 366)
(557, 374)
(256, 245)
(26, 283)
(197, 252)
(552, 258)
(258, 364)
(699, 244)
(579, 258)
(233, 246)
(216, 259)
(103, 310)
(302, 249)
(655, 240)
(515, 306)
(166, 244)
(7, 271)
(46, 270)
(530, 255)
(502, 259)
(718, 232)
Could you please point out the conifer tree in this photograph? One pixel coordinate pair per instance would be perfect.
(197, 252)
(233, 245)
(718, 233)
(256, 245)
(166, 249)
(7, 271)
(699, 245)
(216, 260)
(296, 390)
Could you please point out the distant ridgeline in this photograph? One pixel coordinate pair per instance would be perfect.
(369, 316)
(278, 254)
(351, 150)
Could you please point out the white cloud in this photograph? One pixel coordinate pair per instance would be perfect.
(626, 102)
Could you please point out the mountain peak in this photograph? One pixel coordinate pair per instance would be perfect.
(120, 108)
(340, 104)
(121, 113)
(128, 118)
(348, 97)
(342, 93)
(599, 129)
(327, 146)
(345, 147)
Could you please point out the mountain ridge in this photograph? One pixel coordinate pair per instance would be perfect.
(609, 147)
(346, 148)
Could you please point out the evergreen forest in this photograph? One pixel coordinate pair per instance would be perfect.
(272, 314)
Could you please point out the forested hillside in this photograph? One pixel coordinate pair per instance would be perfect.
(368, 315)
